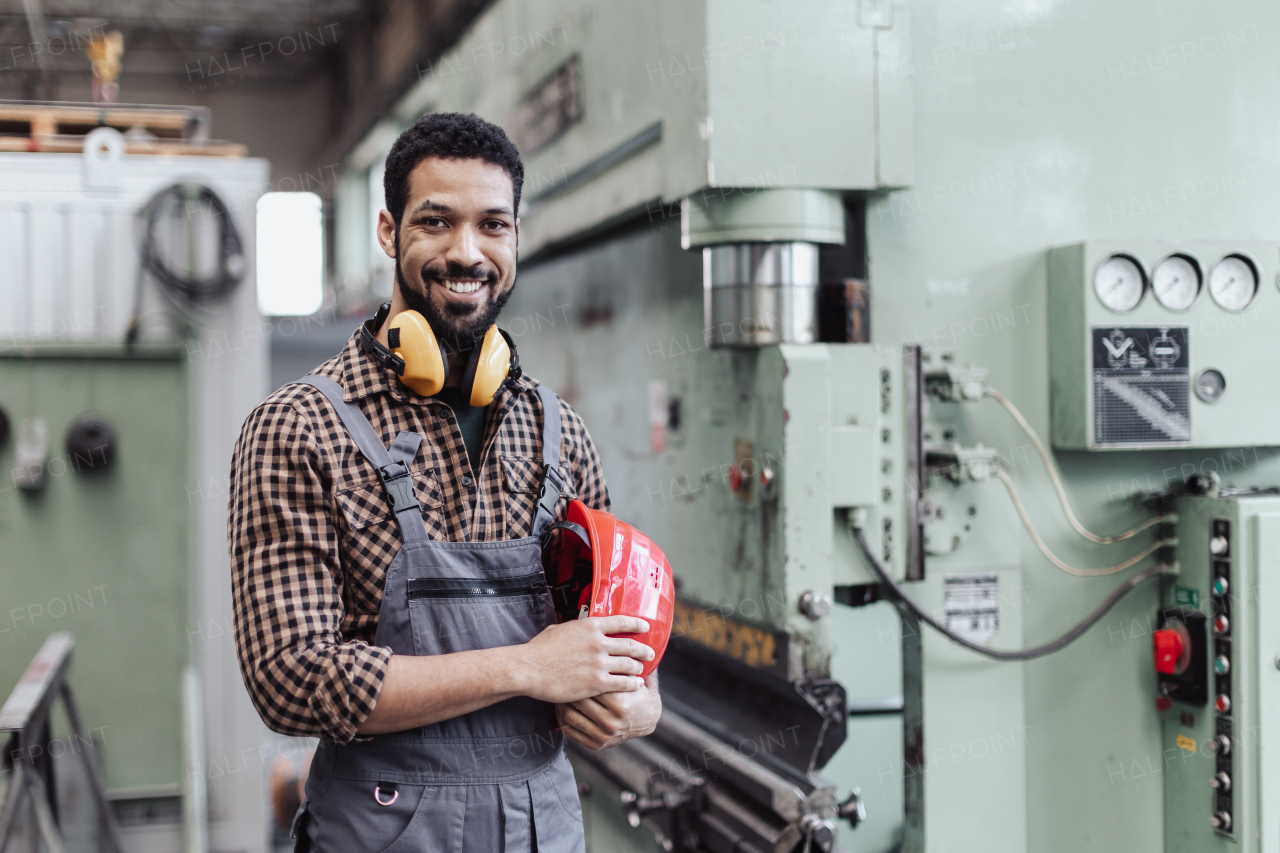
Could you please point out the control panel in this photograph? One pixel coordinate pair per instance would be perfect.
(1220, 608)
(1163, 344)
(1215, 763)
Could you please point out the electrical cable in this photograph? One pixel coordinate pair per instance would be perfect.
(1066, 639)
(187, 292)
(1044, 549)
(1057, 479)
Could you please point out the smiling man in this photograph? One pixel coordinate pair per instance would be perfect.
(385, 544)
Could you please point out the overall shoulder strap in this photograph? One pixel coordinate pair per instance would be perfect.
(552, 482)
(392, 467)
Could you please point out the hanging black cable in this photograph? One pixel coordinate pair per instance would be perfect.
(998, 654)
(187, 292)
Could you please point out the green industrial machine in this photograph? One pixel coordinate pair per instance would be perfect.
(1219, 779)
(827, 275)
(96, 544)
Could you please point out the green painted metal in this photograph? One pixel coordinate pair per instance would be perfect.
(1187, 759)
(719, 78)
(734, 216)
(1134, 127)
(1038, 128)
(104, 555)
(1233, 342)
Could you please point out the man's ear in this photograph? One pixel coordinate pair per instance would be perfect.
(387, 232)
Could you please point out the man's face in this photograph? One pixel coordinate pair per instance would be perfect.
(455, 249)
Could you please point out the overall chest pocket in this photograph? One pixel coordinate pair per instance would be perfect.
(460, 614)
(521, 482)
(366, 505)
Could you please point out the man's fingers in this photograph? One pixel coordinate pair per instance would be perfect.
(623, 683)
(580, 737)
(596, 711)
(625, 666)
(629, 648)
(577, 721)
(621, 624)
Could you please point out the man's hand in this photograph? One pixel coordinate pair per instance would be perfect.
(611, 718)
(576, 660)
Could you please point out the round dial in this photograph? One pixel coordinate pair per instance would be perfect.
(1209, 386)
(1176, 282)
(1233, 282)
(1120, 283)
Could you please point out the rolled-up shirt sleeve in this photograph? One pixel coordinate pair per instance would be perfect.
(303, 677)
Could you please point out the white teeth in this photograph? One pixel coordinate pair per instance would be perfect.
(463, 286)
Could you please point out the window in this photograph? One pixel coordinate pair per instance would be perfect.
(290, 254)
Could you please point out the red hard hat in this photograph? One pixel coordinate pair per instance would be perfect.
(605, 567)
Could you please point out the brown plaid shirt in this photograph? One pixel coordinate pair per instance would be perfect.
(311, 534)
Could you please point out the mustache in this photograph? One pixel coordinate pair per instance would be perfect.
(455, 271)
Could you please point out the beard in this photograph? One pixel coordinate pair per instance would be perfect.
(459, 326)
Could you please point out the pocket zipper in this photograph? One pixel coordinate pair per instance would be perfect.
(476, 588)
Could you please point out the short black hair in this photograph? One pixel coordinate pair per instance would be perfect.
(453, 136)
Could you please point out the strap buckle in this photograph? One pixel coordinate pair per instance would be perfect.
(552, 489)
(399, 486)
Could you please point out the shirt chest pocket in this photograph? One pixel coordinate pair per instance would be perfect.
(366, 505)
(521, 483)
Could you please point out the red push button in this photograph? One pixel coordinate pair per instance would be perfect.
(1222, 703)
(1168, 649)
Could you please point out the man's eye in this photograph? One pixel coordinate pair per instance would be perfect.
(495, 224)
(433, 222)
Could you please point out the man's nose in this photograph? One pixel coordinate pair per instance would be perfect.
(464, 248)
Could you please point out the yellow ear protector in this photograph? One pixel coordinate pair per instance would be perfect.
(420, 360)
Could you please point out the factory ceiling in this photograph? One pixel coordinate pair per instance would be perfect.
(165, 38)
(364, 53)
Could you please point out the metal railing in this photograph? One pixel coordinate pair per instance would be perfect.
(25, 716)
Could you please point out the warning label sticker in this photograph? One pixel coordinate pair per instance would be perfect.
(1141, 386)
(973, 605)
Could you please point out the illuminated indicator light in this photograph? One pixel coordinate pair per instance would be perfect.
(1220, 625)
(1218, 545)
(1221, 665)
(1222, 703)
(1219, 586)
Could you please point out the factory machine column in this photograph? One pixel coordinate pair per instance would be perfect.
(894, 630)
(694, 123)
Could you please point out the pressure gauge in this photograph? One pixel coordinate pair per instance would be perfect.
(1233, 282)
(1176, 282)
(1120, 283)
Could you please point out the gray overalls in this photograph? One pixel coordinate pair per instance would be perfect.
(493, 780)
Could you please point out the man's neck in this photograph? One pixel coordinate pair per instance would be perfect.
(455, 360)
